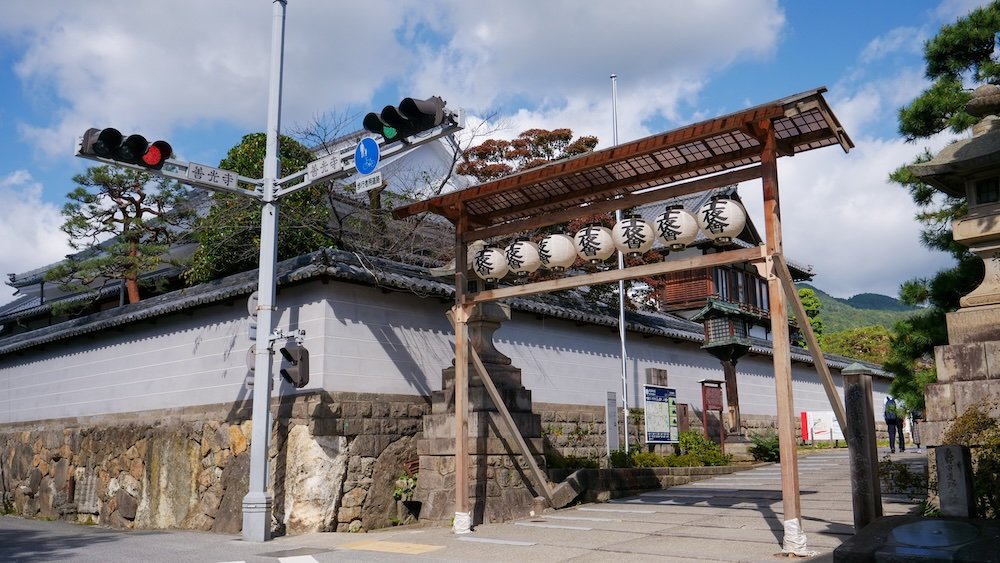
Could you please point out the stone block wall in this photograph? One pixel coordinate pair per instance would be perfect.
(574, 431)
(968, 374)
(581, 431)
(333, 462)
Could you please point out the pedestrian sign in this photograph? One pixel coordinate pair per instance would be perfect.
(366, 156)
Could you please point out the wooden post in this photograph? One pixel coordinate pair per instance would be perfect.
(781, 345)
(463, 518)
(865, 489)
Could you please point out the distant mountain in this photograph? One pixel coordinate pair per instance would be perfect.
(876, 301)
(863, 309)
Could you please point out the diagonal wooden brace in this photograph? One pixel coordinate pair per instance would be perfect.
(781, 270)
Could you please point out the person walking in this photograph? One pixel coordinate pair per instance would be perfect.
(894, 423)
(915, 417)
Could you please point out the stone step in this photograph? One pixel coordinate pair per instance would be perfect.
(517, 400)
(481, 423)
(477, 446)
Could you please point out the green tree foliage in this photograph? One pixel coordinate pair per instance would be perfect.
(125, 221)
(812, 305)
(868, 343)
(229, 235)
(975, 427)
(961, 53)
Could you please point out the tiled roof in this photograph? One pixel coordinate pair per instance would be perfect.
(356, 268)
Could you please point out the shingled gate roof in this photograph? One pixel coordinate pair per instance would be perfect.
(660, 163)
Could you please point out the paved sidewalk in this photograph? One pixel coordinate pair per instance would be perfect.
(735, 517)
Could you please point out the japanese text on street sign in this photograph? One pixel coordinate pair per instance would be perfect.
(368, 182)
(661, 414)
(214, 176)
(321, 167)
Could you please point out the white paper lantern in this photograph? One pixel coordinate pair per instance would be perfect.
(676, 227)
(594, 243)
(490, 264)
(557, 251)
(522, 257)
(722, 219)
(633, 236)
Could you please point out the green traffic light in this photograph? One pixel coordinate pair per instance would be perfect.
(389, 132)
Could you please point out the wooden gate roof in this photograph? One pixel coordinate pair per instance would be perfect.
(657, 163)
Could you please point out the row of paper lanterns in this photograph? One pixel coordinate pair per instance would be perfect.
(721, 219)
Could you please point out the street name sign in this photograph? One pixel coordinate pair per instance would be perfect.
(368, 182)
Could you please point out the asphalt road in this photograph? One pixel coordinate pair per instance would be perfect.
(735, 517)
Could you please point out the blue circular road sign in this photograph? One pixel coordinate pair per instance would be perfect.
(366, 156)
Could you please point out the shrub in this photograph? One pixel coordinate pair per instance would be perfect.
(405, 487)
(554, 460)
(765, 446)
(684, 460)
(647, 459)
(898, 478)
(708, 452)
(977, 429)
(621, 458)
(701, 452)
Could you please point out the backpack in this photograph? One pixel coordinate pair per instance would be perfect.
(890, 410)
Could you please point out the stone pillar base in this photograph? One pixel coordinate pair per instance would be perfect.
(500, 488)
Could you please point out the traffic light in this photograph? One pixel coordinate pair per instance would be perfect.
(297, 372)
(408, 119)
(111, 144)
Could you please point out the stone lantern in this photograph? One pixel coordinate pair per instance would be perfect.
(970, 168)
(727, 337)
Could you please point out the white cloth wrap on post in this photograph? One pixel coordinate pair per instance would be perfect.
(795, 539)
(463, 523)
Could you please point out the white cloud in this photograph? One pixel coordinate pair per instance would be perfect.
(950, 10)
(901, 39)
(186, 63)
(551, 53)
(544, 64)
(28, 228)
(841, 214)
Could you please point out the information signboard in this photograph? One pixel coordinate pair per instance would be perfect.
(611, 419)
(661, 415)
(820, 425)
(713, 398)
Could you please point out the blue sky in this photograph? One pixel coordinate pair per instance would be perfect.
(195, 73)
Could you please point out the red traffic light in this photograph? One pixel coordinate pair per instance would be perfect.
(111, 144)
(157, 154)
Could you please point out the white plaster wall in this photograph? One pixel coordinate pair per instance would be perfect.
(563, 363)
(361, 339)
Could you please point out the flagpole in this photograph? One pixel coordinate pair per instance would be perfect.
(621, 266)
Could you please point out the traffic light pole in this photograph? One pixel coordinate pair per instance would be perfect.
(257, 503)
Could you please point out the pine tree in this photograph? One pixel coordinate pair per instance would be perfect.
(124, 222)
(961, 54)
